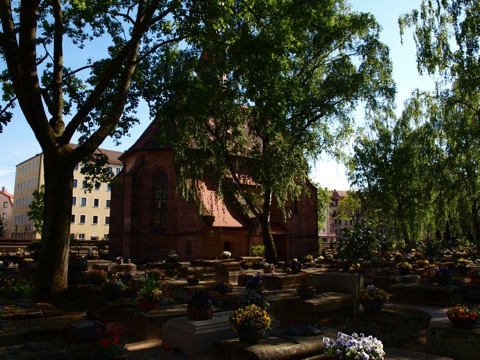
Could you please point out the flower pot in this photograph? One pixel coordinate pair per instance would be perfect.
(199, 313)
(306, 292)
(462, 323)
(372, 306)
(249, 336)
(147, 305)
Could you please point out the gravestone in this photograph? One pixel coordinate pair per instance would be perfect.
(195, 338)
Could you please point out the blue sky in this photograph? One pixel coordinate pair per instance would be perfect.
(327, 172)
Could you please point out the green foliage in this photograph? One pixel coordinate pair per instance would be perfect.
(16, 288)
(360, 243)
(275, 88)
(257, 250)
(37, 209)
(34, 245)
(447, 37)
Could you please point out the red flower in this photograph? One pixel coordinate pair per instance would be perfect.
(105, 343)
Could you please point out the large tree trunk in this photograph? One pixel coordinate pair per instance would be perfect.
(270, 249)
(53, 265)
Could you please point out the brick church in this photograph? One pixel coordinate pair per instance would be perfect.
(149, 218)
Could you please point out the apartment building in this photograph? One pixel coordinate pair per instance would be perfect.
(90, 210)
(6, 202)
(333, 226)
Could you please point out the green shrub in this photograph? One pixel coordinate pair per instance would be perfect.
(258, 250)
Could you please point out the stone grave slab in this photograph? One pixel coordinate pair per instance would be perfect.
(427, 294)
(334, 281)
(85, 330)
(394, 325)
(145, 325)
(274, 346)
(457, 343)
(324, 308)
(470, 292)
(278, 281)
(195, 338)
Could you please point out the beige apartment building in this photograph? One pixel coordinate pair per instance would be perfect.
(90, 210)
(6, 201)
(333, 227)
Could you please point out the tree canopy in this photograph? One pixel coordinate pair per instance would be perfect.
(260, 115)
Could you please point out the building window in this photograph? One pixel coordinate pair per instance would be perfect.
(107, 203)
(73, 219)
(161, 202)
(82, 219)
(117, 171)
(74, 201)
(95, 219)
(76, 167)
(84, 184)
(84, 201)
(107, 220)
(81, 236)
(5, 204)
(74, 183)
(97, 186)
(4, 216)
(96, 202)
(109, 187)
(110, 170)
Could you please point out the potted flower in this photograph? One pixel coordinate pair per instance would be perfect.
(294, 265)
(249, 297)
(256, 283)
(226, 254)
(462, 315)
(474, 276)
(219, 287)
(268, 268)
(112, 289)
(97, 276)
(172, 256)
(404, 267)
(200, 306)
(443, 276)
(462, 265)
(110, 345)
(372, 298)
(250, 323)
(16, 288)
(149, 293)
(354, 347)
(422, 263)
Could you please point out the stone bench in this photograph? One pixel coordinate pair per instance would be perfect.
(429, 294)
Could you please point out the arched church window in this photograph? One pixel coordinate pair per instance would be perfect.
(161, 202)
